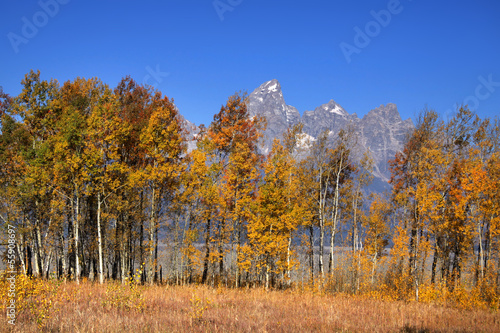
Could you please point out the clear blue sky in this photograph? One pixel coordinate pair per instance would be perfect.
(428, 53)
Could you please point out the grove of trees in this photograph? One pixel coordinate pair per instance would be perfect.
(98, 184)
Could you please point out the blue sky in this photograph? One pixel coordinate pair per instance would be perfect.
(360, 53)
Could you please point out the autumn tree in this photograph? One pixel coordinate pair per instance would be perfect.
(342, 172)
(317, 177)
(78, 101)
(280, 210)
(362, 177)
(376, 229)
(205, 174)
(33, 106)
(100, 173)
(327, 169)
(410, 179)
(233, 152)
(163, 142)
(14, 140)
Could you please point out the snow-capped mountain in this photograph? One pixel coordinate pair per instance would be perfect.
(327, 116)
(381, 131)
(267, 100)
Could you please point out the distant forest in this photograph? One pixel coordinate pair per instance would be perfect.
(94, 179)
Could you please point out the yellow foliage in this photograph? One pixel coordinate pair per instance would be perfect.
(33, 297)
(198, 307)
(126, 296)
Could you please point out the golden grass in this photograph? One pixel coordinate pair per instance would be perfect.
(111, 307)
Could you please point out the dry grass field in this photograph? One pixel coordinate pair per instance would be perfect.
(88, 307)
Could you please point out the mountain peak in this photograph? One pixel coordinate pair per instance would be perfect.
(269, 87)
(269, 93)
(334, 108)
(267, 100)
(388, 112)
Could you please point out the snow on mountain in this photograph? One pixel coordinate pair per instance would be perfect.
(305, 141)
(272, 88)
(338, 110)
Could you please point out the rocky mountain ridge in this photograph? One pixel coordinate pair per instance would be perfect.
(381, 131)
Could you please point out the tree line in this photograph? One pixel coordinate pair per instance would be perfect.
(96, 179)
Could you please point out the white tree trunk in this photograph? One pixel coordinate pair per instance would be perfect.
(99, 239)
